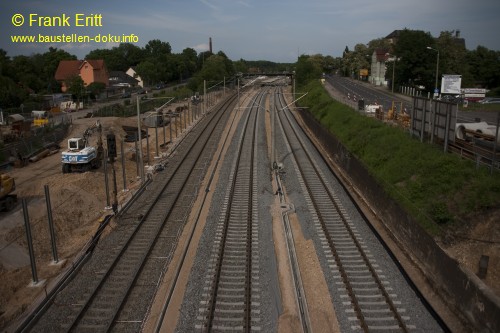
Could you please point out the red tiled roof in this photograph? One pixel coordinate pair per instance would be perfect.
(67, 69)
(96, 64)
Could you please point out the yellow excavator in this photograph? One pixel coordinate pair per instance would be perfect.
(7, 186)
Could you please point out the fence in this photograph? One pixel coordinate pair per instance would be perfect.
(38, 138)
(432, 119)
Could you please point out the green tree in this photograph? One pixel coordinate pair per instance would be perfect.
(202, 57)
(329, 64)
(4, 62)
(189, 58)
(148, 72)
(26, 74)
(113, 63)
(215, 69)
(241, 66)
(118, 58)
(131, 53)
(96, 88)
(10, 94)
(51, 60)
(453, 57)
(307, 69)
(355, 60)
(416, 65)
(485, 67)
(228, 64)
(156, 48)
(76, 87)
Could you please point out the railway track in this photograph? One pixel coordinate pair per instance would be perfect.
(481, 155)
(368, 297)
(114, 294)
(114, 290)
(231, 291)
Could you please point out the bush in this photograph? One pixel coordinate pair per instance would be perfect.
(493, 92)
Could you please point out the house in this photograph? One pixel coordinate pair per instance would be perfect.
(378, 67)
(89, 70)
(394, 36)
(66, 70)
(132, 73)
(122, 79)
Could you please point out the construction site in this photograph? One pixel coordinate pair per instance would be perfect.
(69, 165)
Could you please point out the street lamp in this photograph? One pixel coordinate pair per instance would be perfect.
(437, 68)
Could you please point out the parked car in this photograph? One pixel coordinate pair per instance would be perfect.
(490, 100)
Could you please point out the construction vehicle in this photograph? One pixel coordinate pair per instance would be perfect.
(80, 156)
(7, 186)
(394, 111)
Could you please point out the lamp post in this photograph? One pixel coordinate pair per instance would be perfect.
(437, 68)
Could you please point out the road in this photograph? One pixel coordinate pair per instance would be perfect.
(383, 96)
(356, 90)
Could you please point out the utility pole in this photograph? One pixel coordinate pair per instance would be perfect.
(141, 165)
(111, 143)
(437, 69)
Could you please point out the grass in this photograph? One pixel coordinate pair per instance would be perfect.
(436, 188)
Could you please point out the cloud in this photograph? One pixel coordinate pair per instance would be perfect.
(209, 5)
(157, 21)
(244, 4)
(201, 47)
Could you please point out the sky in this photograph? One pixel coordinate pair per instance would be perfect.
(274, 30)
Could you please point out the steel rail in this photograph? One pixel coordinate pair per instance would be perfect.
(214, 118)
(344, 222)
(159, 322)
(241, 197)
(290, 244)
(140, 226)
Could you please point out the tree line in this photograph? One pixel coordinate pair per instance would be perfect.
(23, 78)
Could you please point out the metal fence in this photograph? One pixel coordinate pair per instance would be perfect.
(38, 138)
(433, 120)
